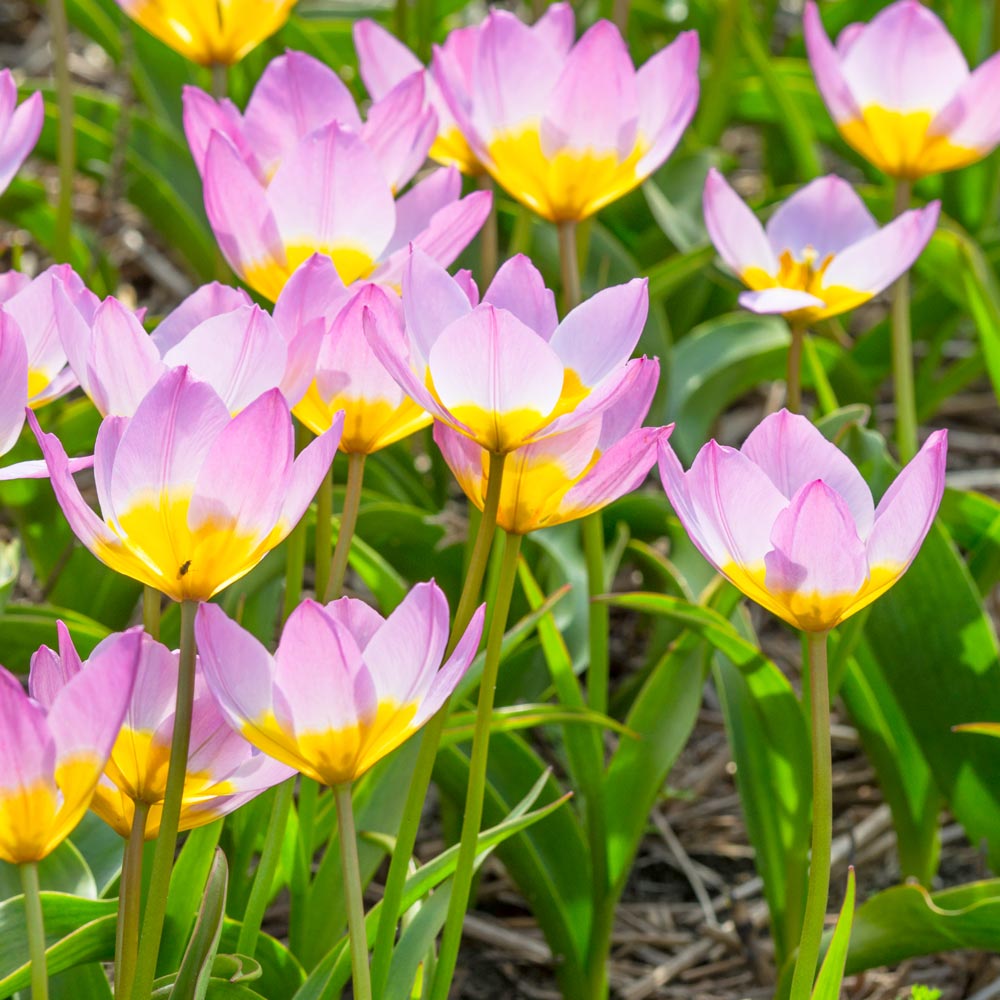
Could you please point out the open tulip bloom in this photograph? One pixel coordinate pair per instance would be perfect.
(217, 33)
(569, 475)
(216, 332)
(384, 61)
(505, 372)
(567, 129)
(20, 127)
(900, 91)
(191, 498)
(821, 252)
(789, 520)
(280, 187)
(54, 744)
(223, 770)
(345, 686)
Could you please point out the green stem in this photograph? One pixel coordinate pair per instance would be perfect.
(431, 737)
(67, 135)
(822, 835)
(323, 549)
(263, 879)
(401, 18)
(348, 520)
(592, 530)
(570, 262)
(902, 350)
(620, 12)
(130, 901)
(151, 606)
(793, 378)
(295, 546)
(302, 876)
(220, 80)
(36, 930)
(462, 881)
(489, 237)
(361, 983)
(166, 842)
(825, 395)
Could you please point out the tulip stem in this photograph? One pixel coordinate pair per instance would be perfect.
(263, 880)
(130, 900)
(151, 599)
(489, 236)
(793, 378)
(323, 555)
(348, 521)
(295, 547)
(67, 135)
(166, 841)
(431, 738)
(822, 834)
(475, 794)
(36, 930)
(220, 81)
(361, 983)
(598, 671)
(570, 262)
(902, 349)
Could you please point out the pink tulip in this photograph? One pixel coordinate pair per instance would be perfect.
(900, 91)
(54, 744)
(280, 187)
(345, 687)
(217, 333)
(821, 252)
(506, 373)
(20, 127)
(223, 770)
(567, 129)
(191, 498)
(569, 475)
(385, 61)
(789, 520)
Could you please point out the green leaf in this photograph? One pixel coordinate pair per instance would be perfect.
(64, 870)
(831, 974)
(196, 967)
(83, 982)
(23, 628)
(416, 943)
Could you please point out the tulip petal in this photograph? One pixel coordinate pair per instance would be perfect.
(969, 119)
(825, 217)
(419, 205)
(308, 471)
(734, 230)
(877, 261)
(400, 130)
(27, 750)
(520, 288)
(204, 115)
(51, 672)
(779, 301)
(13, 381)
(359, 618)
(447, 678)
(557, 27)
(906, 512)
(599, 335)
(124, 363)
(825, 61)
(432, 300)
(21, 134)
(792, 452)
(208, 301)
(383, 60)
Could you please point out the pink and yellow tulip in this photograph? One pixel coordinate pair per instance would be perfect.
(900, 91)
(280, 187)
(20, 127)
(54, 744)
(345, 686)
(217, 33)
(384, 61)
(569, 475)
(820, 254)
(567, 129)
(349, 378)
(505, 372)
(223, 770)
(191, 498)
(789, 520)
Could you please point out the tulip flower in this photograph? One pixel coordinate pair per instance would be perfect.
(223, 772)
(384, 61)
(821, 252)
(505, 372)
(345, 686)
(191, 498)
(55, 743)
(900, 91)
(789, 520)
(350, 378)
(20, 127)
(217, 333)
(217, 33)
(567, 130)
(569, 475)
(280, 187)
